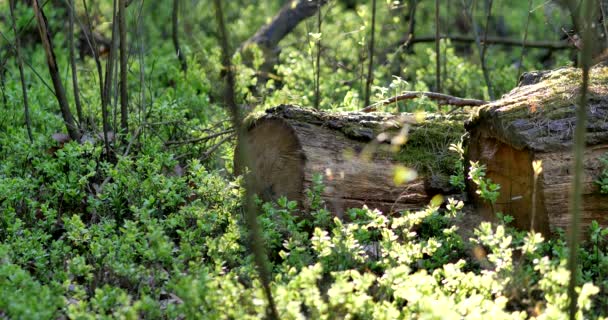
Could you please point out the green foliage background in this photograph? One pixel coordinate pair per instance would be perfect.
(158, 231)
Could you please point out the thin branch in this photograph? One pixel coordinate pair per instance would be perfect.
(370, 68)
(407, 39)
(73, 64)
(437, 49)
(26, 106)
(105, 95)
(175, 31)
(468, 11)
(216, 146)
(484, 68)
(12, 47)
(579, 150)
(551, 45)
(124, 95)
(523, 42)
(256, 240)
(142, 73)
(3, 79)
(93, 45)
(62, 99)
(196, 140)
(318, 64)
(442, 99)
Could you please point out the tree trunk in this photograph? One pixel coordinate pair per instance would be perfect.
(357, 155)
(535, 121)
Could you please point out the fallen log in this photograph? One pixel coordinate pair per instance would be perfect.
(536, 121)
(357, 154)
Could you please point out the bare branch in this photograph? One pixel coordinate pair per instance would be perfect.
(551, 45)
(442, 99)
(196, 140)
(216, 146)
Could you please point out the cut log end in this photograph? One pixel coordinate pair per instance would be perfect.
(277, 160)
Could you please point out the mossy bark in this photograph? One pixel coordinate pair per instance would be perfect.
(536, 121)
(357, 154)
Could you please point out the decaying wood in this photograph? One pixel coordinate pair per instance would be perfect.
(289, 145)
(535, 121)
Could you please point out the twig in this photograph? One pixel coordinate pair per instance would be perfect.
(216, 146)
(209, 137)
(443, 99)
(251, 218)
(437, 49)
(26, 106)
(94, 48)
(10, 46)
(576, 200)
(175, 27)
(3, 80)
(124, 95)
(105, 94)
(370, 68)
(317, 67)
(73, 64)
(482, 55)
(468, 10)
(523, 42)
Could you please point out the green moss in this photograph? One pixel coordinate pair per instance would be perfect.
(427, 147)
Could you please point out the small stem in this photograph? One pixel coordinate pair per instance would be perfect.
(28, 121)
(124, 95)
(523, 42)
(368, 82)
(437, 49)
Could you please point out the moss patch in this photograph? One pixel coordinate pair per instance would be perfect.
(427, 146)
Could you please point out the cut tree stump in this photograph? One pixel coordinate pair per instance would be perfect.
(536, 121)
(288, 145)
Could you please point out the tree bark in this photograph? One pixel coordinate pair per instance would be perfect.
(352, 151)
(268, 37)
(536, 121)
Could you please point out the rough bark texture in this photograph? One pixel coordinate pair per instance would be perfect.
(535, 121)
(289, 145)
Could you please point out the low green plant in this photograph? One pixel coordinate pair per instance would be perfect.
(602, 180)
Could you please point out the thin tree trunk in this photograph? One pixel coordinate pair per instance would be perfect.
(482, 54)
(3, 79)
(437, 49)
(26, 107)
(578, 150)
(175, 24)
(257, 243)
(107, 84)
(124, 95)
(62, 99)
(318, 65)
(73, 64)
(370, 69)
